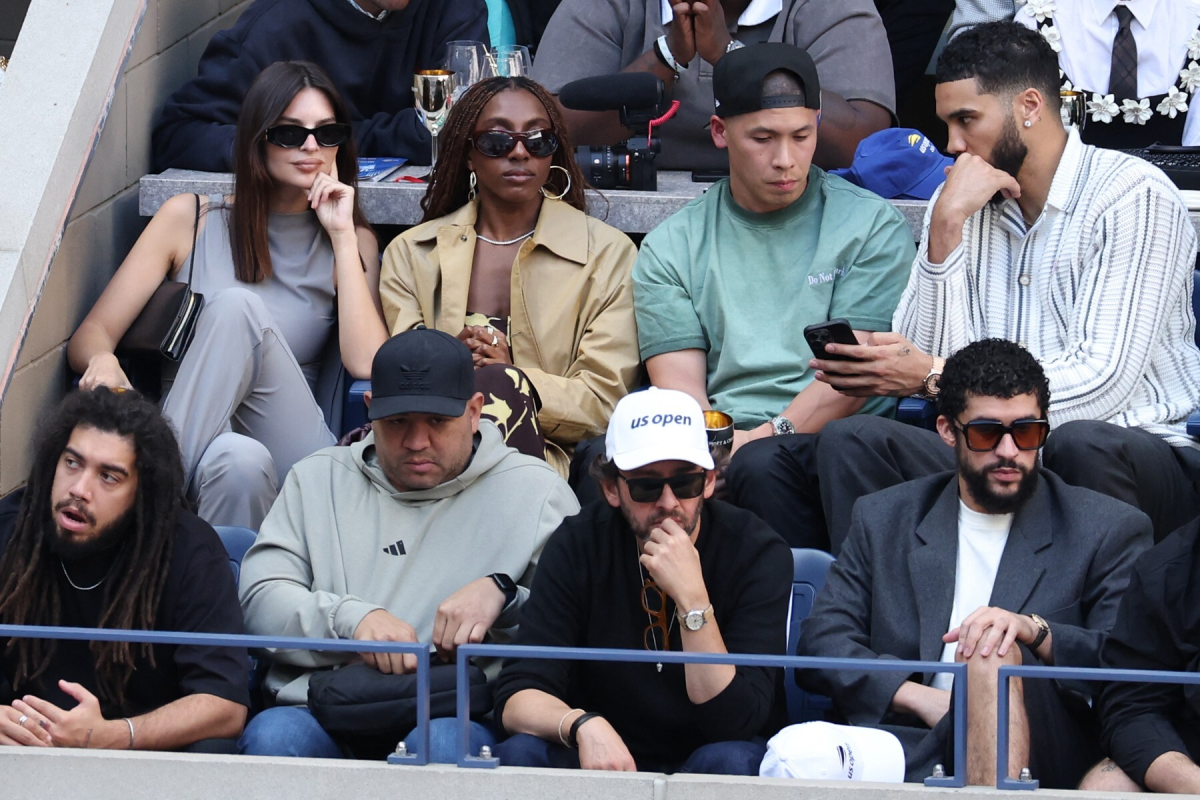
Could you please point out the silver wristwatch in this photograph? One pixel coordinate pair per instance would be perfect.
(782, 425)
(694, 620)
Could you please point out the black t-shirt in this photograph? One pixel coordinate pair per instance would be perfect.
(199, 596)
(587, 592)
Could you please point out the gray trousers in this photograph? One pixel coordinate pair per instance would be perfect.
(243, 410)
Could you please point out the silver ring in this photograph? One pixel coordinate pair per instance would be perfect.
(22, 719)
(495, 340)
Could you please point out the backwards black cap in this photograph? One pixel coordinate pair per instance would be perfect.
(421, 371)
(739, 75)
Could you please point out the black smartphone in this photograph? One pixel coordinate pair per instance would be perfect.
(709, 175)
(835, 331)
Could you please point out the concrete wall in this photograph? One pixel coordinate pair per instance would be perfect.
(12, 14)
(103, 221)
(67, 775)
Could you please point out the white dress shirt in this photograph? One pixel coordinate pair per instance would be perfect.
(1161, 29)
(981, 541)
(1098, 288)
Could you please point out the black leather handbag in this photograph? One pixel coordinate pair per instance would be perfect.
(168, 321)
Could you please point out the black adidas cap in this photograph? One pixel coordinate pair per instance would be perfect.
(421, 371)
(738, 78)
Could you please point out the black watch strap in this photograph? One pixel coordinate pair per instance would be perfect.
(507, 585)
(572, 737)
(1043, 632)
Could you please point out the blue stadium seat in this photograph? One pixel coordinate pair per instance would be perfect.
(809, 567)
(237, 541)
(915, 411)
(354, 410)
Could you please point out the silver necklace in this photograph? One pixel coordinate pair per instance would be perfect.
(499, 243)
(86, 588)
(670, 627)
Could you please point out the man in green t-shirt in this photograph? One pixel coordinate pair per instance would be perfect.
(724, 288)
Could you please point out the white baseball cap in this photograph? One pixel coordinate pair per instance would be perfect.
(657, 425)
(822, 751)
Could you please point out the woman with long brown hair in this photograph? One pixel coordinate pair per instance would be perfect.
(284, 265)
(508, 260)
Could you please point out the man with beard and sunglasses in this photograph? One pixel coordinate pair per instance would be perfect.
(1084, 255)
(999, 562)
(98, 538)
(658, 566)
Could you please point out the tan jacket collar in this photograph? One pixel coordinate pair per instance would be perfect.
(559, 229)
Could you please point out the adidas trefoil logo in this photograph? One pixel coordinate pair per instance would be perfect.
(396, 549)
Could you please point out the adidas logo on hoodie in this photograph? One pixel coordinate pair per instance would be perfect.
(396, 549)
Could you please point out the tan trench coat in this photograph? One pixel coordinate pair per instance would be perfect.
(572, 328)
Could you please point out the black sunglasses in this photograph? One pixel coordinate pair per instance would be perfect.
(983, 435)
(648, 490)
(539, 143)
(290, 136)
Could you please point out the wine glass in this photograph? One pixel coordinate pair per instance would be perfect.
(511, 60)
(469, 62)
(434, 91)
(1073, 109)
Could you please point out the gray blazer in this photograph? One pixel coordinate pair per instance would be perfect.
(891, 591)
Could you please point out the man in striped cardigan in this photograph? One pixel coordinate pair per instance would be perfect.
(1084, 256)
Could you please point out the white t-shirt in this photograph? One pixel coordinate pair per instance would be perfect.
(981, 540)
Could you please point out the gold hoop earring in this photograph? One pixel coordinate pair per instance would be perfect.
(471, 183)
(561, 194)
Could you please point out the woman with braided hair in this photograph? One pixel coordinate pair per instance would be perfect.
(508, 260)
(99, 538)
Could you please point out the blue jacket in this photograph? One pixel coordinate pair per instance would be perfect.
(371, 63)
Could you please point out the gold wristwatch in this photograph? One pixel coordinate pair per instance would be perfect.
(932, 382)
(1043, 632)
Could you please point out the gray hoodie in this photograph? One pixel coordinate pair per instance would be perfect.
(341, 542)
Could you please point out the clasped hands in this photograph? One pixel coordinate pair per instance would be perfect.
(464, 617)
(34, 722)
(697, 27)
(487, 345)
(990, 631)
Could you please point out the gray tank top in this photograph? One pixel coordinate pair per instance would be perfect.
(299, 294)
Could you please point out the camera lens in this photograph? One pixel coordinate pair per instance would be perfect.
(604, 167)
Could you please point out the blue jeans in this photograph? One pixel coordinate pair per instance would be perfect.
(717, 758)
(293, 731)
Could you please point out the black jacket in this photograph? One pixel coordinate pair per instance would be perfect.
(587, 593)
(1158, 628)
(371, 63)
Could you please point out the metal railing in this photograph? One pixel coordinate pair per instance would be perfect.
(1064, 673)
(466, 652)
(959, 671)
(421, 651)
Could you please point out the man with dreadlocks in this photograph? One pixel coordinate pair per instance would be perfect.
(99, 539)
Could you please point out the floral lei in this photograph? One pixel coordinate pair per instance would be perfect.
(1104, 108)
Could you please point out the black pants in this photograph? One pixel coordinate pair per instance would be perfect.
(805, 485)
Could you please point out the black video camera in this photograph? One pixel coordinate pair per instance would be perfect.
(638, 97)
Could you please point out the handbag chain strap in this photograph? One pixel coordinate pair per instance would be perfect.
(195, 232)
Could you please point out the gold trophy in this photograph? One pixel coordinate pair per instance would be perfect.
(1073, 109)
(434, 91)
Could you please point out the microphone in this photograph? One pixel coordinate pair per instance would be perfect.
(632, 90)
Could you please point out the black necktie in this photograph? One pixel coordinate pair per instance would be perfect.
(1122, 80)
